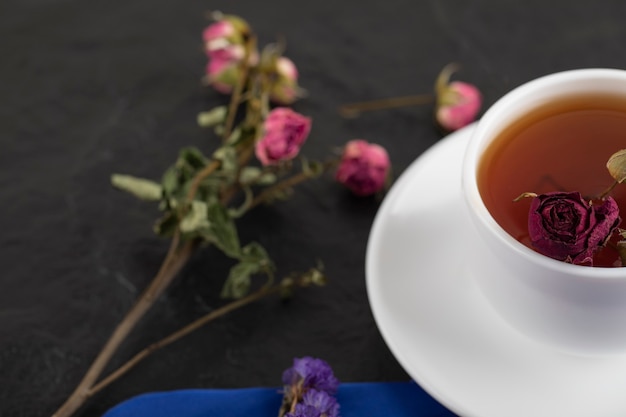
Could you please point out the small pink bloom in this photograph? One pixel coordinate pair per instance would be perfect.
(285, 89)
(285, 133)
(458, 103)
(364, 167)
(222, 74)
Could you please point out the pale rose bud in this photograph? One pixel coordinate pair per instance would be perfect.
(284, 134)
(222, 74)
(364, 167)
(285, 89)
(458, 103)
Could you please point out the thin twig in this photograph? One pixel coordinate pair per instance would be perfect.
(181, 333)
(266, 194)
(205, 172)
(354, 109)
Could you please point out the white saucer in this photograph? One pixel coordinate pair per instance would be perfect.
(441, 329)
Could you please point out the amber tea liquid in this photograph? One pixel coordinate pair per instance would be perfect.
(562, 146)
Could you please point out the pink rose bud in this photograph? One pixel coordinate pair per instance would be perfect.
(227, 32)
(222, 74)
(285, 133)
(285, 89)
(458, 103)
(364, 167)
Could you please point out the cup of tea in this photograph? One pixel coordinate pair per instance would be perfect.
(554, 133)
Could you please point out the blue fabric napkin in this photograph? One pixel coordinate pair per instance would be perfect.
(397, 399)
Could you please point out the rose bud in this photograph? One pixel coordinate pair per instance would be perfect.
(564, 226)
(226, 32)
(285, 89)
(458, 103)
(222, 74)
(364, 167)
(284, 134)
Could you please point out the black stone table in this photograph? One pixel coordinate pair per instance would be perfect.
(88, 88)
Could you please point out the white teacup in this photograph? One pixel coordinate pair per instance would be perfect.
(574, 308)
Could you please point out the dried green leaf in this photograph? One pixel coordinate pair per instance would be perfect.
(237, 283)
(166, 225)
(617, 165)
(222, 231)
(256, 176)
(196, 220)
(212, 117)
(169, 182)
(255, 252)
(228, 157)
(254, 259)
(243, 208)
(234, 137)
(249, 175)
(192, 159)
(139, 187)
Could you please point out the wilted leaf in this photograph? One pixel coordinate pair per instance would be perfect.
(222, 231)
(254, 175)
(237, 283)
(234, 137)
(170, 181)
(617, 165)
(235, 213)
(191, 157)
(254, 252)
(228, 156)
(212, 117)
(139, 187)
(166, 225)
(254, 259)
(196, 218)
(249, 174)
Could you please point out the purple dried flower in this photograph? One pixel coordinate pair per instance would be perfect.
(322, 401)
(566, 227)
(311, 373)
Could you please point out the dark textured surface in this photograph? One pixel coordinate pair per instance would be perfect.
(88, 88)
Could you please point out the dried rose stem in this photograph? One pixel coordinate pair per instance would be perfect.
(239, 86)
(263, 292)
(354, 109)
(608, 190)
(289, 182)
(195, 183)
(175, 259)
